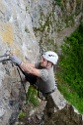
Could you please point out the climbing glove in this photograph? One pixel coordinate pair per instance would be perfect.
(15, 60)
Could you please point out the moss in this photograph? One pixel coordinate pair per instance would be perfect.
(78, 7)
(58, 2)
(26, 30)
(32, 96)
(78, 12)
(21, 115)
(69, 20)
(78, 2)
(44, 30)
(27, 8)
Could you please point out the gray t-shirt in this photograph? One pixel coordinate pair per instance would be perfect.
(46, 81)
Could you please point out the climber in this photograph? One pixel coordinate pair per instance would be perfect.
(41, 74)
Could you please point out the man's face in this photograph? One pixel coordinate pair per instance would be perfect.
(43, 62)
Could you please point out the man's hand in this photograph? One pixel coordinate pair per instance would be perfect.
(15, 60)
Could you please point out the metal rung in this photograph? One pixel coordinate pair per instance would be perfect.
(3, 60)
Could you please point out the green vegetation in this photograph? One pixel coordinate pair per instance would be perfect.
(69, 20)
(32, 96)
(71, 73)
(26, 30)
(27, 8)
(46, 26)
(78, 1)
(21, 115)
(58, 2)
(78, 7)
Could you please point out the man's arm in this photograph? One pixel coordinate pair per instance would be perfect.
(27, 67)
(30, 68)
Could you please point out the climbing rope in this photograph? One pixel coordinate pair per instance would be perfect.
(21, 80)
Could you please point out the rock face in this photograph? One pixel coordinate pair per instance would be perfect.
(66, 116)
(62, 113)
(16, 34)
(24, 26)
(51, 22)
(55, 102)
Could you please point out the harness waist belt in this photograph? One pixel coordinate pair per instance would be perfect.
(51, 91)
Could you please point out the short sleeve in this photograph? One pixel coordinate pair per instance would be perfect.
(44, 74)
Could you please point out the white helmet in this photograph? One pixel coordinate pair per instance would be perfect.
(51, 57)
